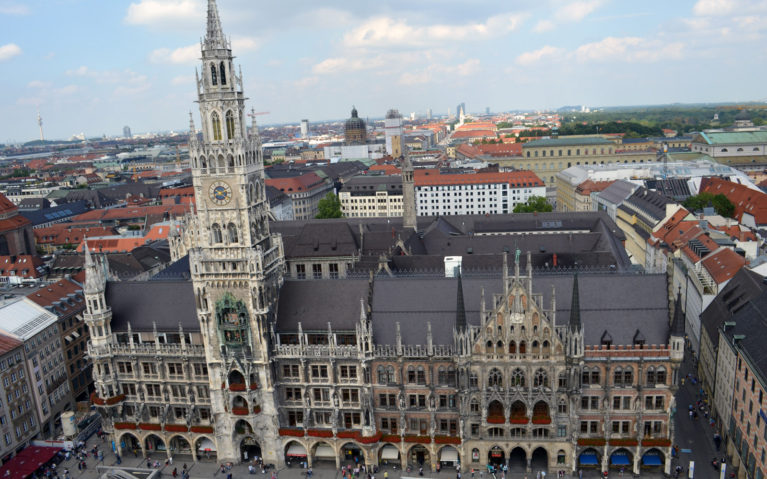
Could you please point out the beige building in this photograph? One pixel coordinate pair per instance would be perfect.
(547, 157)
(371, 196)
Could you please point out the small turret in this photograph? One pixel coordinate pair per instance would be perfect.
(575, 328)
(676, 332)
(460, 317)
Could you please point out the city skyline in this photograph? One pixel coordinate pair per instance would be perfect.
(131, 63)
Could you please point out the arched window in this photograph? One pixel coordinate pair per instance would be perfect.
(522, 347)
(474, 406)
(495, 378)
(411, 374)
(650, 376)
(451, 377)
(618, 377)
(473, 380)
(541, 379)
(441, 375)
(495, 432)
(232, 230)
(421, 375)
(381, 375)
(562, 407)
(213, 79)
(215, 122)
(223, 73)
(216, 231)
(517, 378)
(546, 348)
(660, 375)
(628, 377)
(512, 347)
(229, 125)
(390, 373)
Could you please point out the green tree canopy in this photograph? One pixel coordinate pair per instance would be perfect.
(330, 207)
(534, 204)
(722, 205)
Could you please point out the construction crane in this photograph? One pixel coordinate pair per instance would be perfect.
(257, 113)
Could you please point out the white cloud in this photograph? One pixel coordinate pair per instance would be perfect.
(631, 49)
(388, 32)
(8, 51)
(468, 67)
(535, 56)
(577, 11)
(244, 44)
(544, 26)
(39, 84)
(80, 71)
(11, 8)
(182, 80)
(164, 12)
(343, 64)
(181, 55)
(306, 82)
(713, 7)
(66, 90)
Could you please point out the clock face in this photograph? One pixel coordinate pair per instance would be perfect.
(220, 193)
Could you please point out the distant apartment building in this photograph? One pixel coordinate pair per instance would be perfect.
(64, 298)
(372, 196)
(305, 192)
(18, 421)
(474, 193)
(732, 147)
(39, 330)
(548, 156)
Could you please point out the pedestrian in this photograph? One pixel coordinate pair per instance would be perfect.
(691, 414)
(175, 472)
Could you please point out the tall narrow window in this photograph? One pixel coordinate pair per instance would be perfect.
(223, 73)
(216, 230)
(216, 123)
(232, 233)
(213, 80)
(229, 125)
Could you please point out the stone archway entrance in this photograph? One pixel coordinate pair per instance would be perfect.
(539, 461)
(206, 448)
(517, 460)
(352, 454)
(179, 445)
(419, 457)
(496, 456)
(388, 454)
(250, 449)
(154, 444)
(130, 444)
(323, 452)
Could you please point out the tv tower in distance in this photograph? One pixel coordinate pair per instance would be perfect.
(40, 124)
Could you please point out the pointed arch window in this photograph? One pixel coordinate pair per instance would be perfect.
(518, 378)
(215, 122)
(495, 378)
(213, 76)
(216, 232)
(541, 379)
(223, 73)
(229, 125)
(232, 230)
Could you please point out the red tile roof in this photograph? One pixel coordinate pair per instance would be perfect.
(432, 177)
(305, 182)
(477, 125)
(24, 266)
(723, 264)
(738, 232)
(138, 212)
(6, 206)
(8, 344)
(386, 169)
(62, 234)
(590, 186)
(65, 292)
(474, 134)
(746, 200)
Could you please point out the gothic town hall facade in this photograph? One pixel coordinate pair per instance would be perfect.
(234, 359)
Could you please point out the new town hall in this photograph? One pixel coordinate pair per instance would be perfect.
(418, 341)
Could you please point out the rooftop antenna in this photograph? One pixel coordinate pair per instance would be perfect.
(40, 124)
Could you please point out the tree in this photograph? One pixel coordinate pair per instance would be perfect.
(534, 204)
(722, 205)
(330, 207)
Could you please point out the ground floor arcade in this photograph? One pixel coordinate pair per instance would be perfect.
(628, 459)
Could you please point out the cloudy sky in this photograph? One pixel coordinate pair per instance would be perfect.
(94, 66)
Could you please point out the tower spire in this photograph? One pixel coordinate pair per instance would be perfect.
(460, 318)
(575, 306)
(677, 322)
(214, 36)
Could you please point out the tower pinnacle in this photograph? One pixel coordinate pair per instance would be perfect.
(214, 36)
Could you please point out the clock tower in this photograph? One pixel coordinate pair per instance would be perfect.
(236, 263)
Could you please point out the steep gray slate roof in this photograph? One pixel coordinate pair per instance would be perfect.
(616, 303)
(742, 288)
(751, 322)
(315, 303)
(618, 191)
(143, 303)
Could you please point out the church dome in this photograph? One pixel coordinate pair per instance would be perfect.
(355, 132)
(355, 122)
(392, 114)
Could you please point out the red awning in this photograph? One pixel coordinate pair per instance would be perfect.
(25, 463)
